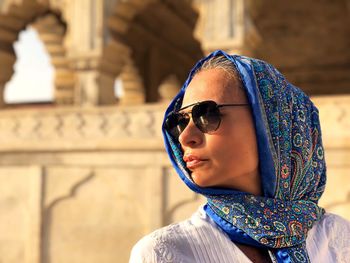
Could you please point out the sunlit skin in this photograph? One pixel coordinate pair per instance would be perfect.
(228, 157)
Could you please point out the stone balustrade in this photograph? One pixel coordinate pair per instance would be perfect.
(113, 127)
(69, 128)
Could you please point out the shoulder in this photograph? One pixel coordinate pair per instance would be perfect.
(330, 238)
(181, 242)
(161, 245)
(334, 226)
(167, 244)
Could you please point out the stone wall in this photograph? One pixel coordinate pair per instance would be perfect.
(335, 125)
(84, 185)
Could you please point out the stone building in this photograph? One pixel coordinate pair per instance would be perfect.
(84, 177)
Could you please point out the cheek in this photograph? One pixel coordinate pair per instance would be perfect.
(224, 150)
(235, 148)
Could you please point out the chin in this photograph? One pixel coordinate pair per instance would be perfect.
(202, 180)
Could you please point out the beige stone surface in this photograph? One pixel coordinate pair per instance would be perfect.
(336, 198)
(335, 120)
(20, 216)
(181, 202)
(95, 216)
(335, 123)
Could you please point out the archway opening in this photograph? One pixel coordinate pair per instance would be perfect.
(159, 39)
(118, 88)
(33, 80)
(168, 45)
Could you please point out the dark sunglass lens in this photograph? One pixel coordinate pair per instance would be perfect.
(176, 123)
(206, 116)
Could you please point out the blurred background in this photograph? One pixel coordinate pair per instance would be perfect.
(84, 84)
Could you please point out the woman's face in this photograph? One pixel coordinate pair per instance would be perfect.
(227, 157)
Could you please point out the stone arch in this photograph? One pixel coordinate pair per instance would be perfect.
(150, 39)
(51, 30)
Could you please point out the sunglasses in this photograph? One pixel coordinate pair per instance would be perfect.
(206, 116)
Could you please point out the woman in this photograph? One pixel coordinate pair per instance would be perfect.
(241, 135)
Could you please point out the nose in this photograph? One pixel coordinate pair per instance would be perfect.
(191, 136)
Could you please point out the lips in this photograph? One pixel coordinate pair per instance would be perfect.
(193, 161)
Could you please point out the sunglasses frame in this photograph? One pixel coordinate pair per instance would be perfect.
(195, 120)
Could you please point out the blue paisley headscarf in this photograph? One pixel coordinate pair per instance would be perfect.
(292, 165)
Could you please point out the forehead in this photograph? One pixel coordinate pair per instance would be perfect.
(216, 85)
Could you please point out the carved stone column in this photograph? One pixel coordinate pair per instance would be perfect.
(106, 93)
(7, 60)
(134, 92)
(169, 88)
(84, 43)
(222, 30)
(110, 66)
(2, 89)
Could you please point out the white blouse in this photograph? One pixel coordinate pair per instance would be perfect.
(199, 239)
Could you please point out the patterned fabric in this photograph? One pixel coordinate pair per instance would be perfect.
(292, 165)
